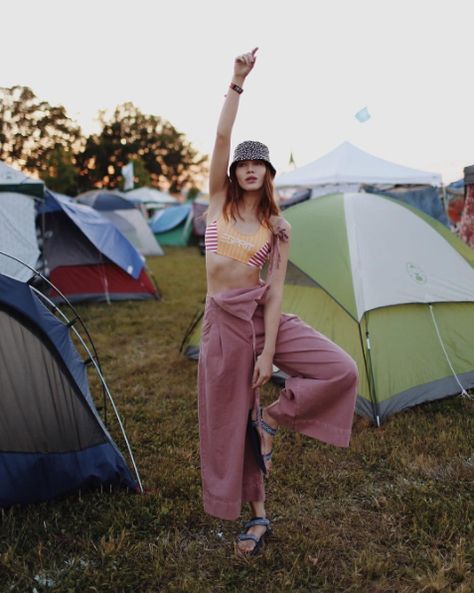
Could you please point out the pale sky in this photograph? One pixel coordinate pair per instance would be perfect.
(410, 62)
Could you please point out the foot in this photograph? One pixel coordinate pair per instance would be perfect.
(266, 438)
(251, 540)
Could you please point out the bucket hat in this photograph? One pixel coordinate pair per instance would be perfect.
(251, 150)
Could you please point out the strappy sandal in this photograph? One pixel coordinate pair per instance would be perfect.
(242, 537)
(268, 429)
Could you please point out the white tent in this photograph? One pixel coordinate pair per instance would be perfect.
(347, 167)
(17, 221)
(129, 220)
(151, 196)
(13, 180)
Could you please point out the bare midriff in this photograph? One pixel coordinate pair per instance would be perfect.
(225, 274)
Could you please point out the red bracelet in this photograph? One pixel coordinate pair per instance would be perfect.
(236, 88)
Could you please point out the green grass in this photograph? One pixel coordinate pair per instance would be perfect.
(394, 513)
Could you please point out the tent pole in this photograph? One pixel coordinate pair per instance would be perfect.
(464, 393)
(369, 372)
(94, 358)
(443, 198)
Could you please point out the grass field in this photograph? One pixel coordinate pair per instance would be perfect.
(392, 514)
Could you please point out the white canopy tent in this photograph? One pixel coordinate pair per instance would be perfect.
(347, 167)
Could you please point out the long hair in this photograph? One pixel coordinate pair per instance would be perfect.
(266, 207)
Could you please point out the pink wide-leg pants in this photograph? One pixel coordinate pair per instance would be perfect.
(318, 399)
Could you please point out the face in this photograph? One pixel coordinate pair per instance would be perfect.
(250, 174)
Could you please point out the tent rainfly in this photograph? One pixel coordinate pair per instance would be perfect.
(87, 257)
(174, 225)
(126, 217)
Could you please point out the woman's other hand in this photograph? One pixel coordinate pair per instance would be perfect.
(244, 63)
(262, 371)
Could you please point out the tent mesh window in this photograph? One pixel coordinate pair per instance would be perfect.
(40, 407)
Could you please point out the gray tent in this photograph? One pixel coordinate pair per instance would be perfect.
(17, 221)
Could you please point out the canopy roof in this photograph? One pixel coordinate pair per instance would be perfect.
(349, 164)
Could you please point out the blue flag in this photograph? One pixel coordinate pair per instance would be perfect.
(363, 115)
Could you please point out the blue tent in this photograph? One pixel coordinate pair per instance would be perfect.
(87, 257)
(105, 200)
(168, 219)
(52, 440)
(101, 232)
(458, 184)
(174, 225)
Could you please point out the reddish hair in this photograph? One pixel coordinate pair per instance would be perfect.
(266, 208)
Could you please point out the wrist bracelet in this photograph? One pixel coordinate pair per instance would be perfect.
(238, 89)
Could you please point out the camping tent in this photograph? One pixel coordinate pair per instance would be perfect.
(455, 201)
(347, 168)
(17, 221)
(12, 180)
(151, 197)
(52, 440)
(297, 197)
(426, 199)
(174, 225)
(200, 206)
(126, 217)
(391, 286)
(87, 257)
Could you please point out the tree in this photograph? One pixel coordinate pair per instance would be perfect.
(129, 134)
(32, 132)
(140, 173)
(59, 172)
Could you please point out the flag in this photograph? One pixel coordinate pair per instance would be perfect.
(127, 174)
(363, 115)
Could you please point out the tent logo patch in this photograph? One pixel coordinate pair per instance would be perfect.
(416, 273)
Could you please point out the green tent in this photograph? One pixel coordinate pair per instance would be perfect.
(173, 225)
(391, 286)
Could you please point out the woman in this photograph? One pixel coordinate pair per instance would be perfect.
(244, 333)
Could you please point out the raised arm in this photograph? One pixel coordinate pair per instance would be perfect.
(243, 65)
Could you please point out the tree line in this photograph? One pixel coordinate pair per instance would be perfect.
(41, 138)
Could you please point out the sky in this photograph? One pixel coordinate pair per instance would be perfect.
(319, 62)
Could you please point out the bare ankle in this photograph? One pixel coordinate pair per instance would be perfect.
(267, 416)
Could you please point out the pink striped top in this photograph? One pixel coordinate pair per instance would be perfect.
(224, 239)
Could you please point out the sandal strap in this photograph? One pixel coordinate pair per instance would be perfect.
(257, 521)
(244, 537)
(267, 456)
(266, 427)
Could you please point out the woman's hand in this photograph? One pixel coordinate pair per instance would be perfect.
(244, 63)
(262, 371)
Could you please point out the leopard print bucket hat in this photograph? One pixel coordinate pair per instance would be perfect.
(251, 150)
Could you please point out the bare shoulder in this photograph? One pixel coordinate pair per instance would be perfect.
(280, 223)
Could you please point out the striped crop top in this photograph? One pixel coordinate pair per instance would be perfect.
(222, 238)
